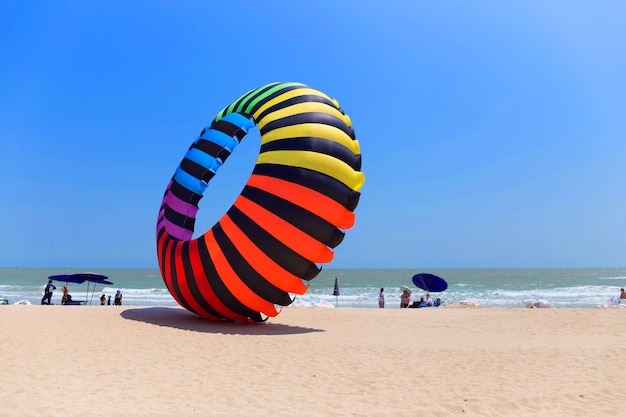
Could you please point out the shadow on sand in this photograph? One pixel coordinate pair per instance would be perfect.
(185, 320)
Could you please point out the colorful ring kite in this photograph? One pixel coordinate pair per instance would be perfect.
(301, 194)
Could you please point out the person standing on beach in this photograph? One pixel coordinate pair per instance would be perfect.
(66, 294)
(47, 293)
(118, 298)
(405, 299)
(103, 300)
(381, 298)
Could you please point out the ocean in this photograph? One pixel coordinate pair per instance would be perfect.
(573, 288)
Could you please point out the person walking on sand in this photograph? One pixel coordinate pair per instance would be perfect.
(118, 298)
(381, 298)
(47, 293)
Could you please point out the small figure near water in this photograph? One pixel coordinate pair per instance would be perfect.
(70, 302)
(66, 299)
(118, 298)
(622, 295)
(429, 300)
(421, 303)
(66, 296)
(405, 299)
(47, 293)
(381, 298)
(103, 300)
(424, 303)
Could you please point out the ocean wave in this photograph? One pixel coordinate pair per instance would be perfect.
(573, 288)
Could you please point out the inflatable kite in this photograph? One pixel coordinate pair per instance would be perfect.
(292, 211)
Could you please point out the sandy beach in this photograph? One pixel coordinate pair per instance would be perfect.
(164, 361)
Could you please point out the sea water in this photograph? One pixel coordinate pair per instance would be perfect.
(574, 288)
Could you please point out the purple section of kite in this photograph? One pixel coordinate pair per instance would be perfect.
(180, 206)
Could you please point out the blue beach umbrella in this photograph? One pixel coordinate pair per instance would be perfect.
(82, 277)
(429, 282)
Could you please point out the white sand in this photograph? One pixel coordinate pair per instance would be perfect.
(120, 361)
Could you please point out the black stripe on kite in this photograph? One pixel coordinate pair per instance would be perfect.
(272, 96)
(193, 285)
(212, 148)
(307, 98)
(309, 117)
(253, 280)
(179, 219)
(314, 180)
(273, 248)
(228, 129)
(196, 170)
(247, 98)
(319, 145)
(173, 276)
(220, 290)
(309, 223)
(185, 194)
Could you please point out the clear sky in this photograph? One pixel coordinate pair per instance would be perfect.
(493, 133)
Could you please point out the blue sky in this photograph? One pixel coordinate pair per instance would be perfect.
(492, 133)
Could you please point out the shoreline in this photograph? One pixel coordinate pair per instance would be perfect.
(164, 361)
(501, 288)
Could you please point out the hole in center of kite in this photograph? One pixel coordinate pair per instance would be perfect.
(228, 182)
